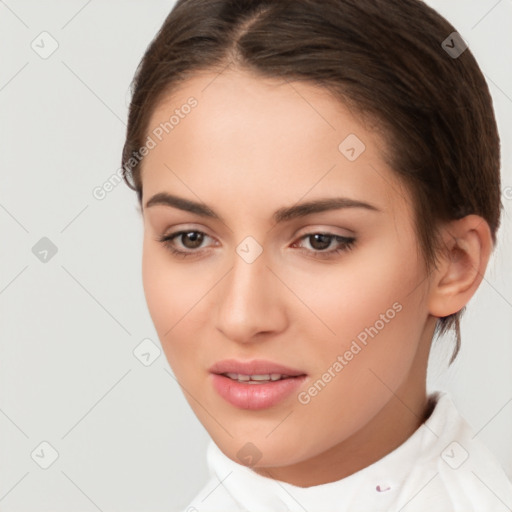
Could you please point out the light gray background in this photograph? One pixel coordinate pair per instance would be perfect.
(126, 438)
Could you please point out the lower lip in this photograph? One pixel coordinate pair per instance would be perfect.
(255, 396)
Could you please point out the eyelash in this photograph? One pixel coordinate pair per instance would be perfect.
(346, 244)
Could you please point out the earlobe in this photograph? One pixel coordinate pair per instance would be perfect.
(461, 268)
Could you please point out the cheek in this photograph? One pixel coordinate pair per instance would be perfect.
(375, 308)
(167, 290)
(177, 302)
(351, 295)
(157, 289)
(369, 317)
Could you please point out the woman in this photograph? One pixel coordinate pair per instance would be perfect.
(320, 189)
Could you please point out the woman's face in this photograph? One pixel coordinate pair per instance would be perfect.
(337, 293)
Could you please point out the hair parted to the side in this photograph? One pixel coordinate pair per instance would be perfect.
(381, 57)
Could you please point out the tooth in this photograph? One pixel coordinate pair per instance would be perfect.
(260, 377)
(251, 379)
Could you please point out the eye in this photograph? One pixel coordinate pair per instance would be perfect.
(190, 240)
(319, 242)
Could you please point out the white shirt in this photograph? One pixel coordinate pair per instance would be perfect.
(441, 467)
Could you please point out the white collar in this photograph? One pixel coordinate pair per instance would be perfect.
(419, 473)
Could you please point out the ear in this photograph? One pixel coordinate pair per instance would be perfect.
(467, 244)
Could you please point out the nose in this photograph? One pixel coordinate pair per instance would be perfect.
(250, 301)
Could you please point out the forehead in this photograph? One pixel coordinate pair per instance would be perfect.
(255, 138)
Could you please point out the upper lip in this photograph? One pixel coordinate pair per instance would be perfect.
(254, 367)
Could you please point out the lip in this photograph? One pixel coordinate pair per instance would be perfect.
(255, 396)
(254, 367)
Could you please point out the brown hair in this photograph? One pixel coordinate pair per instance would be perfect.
(382, 57)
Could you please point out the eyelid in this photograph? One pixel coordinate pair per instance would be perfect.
(328, 230)
(173, 235)
(346, 244)
(309, 230)
(177, 228)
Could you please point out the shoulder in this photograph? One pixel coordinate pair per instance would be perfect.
(455, 471)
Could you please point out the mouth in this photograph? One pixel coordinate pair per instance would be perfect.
(257, 370)
(256, 384)
(257, 379)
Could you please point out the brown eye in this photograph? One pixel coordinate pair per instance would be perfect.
(191, 239)
(184, 243)
(320, 241)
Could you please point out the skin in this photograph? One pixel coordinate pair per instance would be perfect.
(250, 147)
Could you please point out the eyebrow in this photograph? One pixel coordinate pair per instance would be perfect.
(280, 215)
